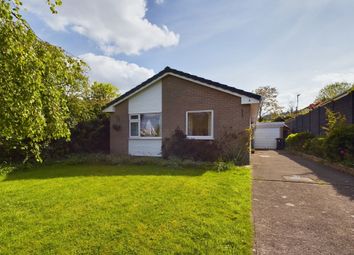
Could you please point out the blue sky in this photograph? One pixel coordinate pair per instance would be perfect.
(297, 46)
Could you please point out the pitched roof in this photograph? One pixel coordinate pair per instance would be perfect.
(169, 70)
(270, 124)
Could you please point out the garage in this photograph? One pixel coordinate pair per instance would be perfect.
(266, 134)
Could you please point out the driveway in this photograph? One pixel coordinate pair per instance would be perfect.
(301, 207)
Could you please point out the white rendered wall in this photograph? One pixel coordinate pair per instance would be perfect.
(145, 147)
(148, 100)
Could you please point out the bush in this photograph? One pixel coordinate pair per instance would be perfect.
(234, 147)
(6, 169)
(340, 144)
(221, 166)
(179, 146)
(298, 141)
(337, 144)
(90, 136)
(315, 146)
(339, 138)
(230, 147)
(9, 152)
(87, 137)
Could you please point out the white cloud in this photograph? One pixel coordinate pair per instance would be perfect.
(117, 26)
(120, 73)
(326, 78)
(159, 1)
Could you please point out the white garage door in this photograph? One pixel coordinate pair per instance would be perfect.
(265, 138)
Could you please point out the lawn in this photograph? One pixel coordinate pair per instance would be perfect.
(125, 209)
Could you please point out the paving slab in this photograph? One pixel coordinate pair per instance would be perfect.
(300, 206)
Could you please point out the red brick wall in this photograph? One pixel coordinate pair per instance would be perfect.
(119, 129)
(179, 96)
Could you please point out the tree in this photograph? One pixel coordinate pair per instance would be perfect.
(101, 94)
(269, 103)
(332, 90)
(86, 103)
(36, 82)
(89, 126)
(10, 8)
(291, 107)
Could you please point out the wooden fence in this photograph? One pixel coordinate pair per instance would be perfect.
(315, 120)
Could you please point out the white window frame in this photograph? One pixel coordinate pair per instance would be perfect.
(134, 121)
(207, 137)
(138, 121)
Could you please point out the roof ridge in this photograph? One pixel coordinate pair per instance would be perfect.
(168, 69)
(210, 81)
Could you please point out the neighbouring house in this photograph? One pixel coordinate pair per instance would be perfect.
(142, 117)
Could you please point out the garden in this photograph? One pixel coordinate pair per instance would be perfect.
(126, 206)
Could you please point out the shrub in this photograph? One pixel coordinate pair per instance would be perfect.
(337, 144)
(297, 141)
(221, 166)
(174, 146)
(234, 146)
(230, 147)
(9, 152)
(179, 146)
(6, 169)
(90, 136)
(315, 146)
(339, 139)
(340, 144)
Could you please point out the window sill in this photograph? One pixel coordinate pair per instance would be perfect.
(201, 137)
(145, 138)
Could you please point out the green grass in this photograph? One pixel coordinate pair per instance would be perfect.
(125, 209)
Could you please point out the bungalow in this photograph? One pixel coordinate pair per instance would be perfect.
(171, 99)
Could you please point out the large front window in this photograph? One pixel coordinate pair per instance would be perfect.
(199, 124)
(145, 125)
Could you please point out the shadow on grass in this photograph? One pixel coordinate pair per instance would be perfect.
(99, 170)
(342, 182)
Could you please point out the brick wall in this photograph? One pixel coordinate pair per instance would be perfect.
(180, 96)
(119, 129)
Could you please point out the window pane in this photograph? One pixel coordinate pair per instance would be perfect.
(134, 129)
(199, 124)
(150, 125)
(134, 117)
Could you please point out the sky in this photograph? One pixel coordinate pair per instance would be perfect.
(297, 46)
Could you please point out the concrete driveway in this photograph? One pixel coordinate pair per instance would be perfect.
(301, 207)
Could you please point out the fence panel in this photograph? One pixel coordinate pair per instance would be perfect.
(344, 106)
(299, 123)
(306, 122)
(315, 120)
